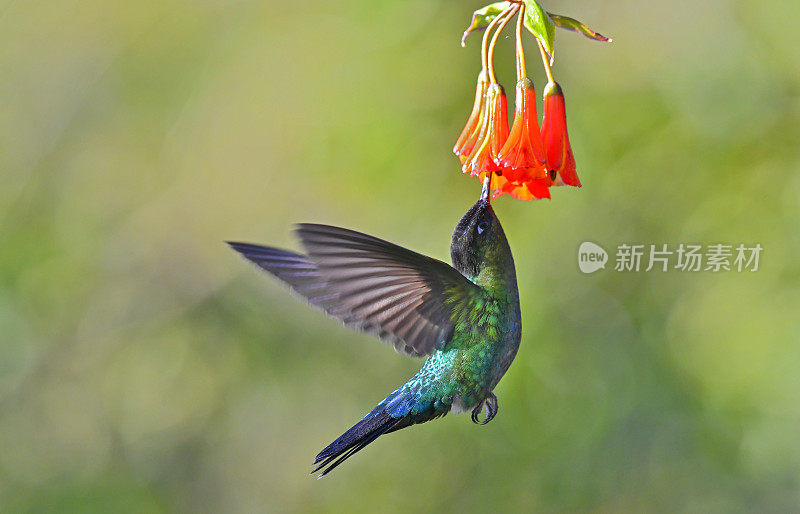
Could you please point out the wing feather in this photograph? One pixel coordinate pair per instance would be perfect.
(370, 284)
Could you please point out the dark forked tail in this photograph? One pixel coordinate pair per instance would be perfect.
(374, 425)
(400, 409)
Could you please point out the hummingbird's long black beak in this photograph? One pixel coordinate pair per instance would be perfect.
(485, 196)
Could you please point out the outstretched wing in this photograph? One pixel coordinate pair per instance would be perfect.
(405, 298)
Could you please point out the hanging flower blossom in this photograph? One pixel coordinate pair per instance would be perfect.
(524, 161)
(522, 157)
(491, 129)
(556, 140)
(499, 123)
(461, 147)
(492, 136)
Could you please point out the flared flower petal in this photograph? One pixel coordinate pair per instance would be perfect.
(523, 154)
(493, 135)
(555, 137)
(532, 189)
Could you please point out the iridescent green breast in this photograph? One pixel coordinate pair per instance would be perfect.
(485, 340)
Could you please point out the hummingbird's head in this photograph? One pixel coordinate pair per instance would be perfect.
(478, 239)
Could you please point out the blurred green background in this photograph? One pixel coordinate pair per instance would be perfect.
(145, 368)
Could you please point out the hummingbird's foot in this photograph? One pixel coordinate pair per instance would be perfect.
(491, 410)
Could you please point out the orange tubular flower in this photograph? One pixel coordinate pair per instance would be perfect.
(500, 123)
(493, 134)
(522, 157)
(471, 127)
(525, 161)
(556, 140)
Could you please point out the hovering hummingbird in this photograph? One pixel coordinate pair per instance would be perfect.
(464, 317)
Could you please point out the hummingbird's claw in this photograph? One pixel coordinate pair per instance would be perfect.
(492, 407)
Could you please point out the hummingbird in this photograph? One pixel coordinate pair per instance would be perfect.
(464, 318)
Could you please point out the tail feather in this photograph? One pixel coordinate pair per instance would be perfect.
(399, 410)
(374, 425)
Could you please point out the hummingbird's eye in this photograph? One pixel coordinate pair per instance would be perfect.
(482, 226)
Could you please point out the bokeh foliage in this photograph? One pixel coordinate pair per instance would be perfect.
(144, 368)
